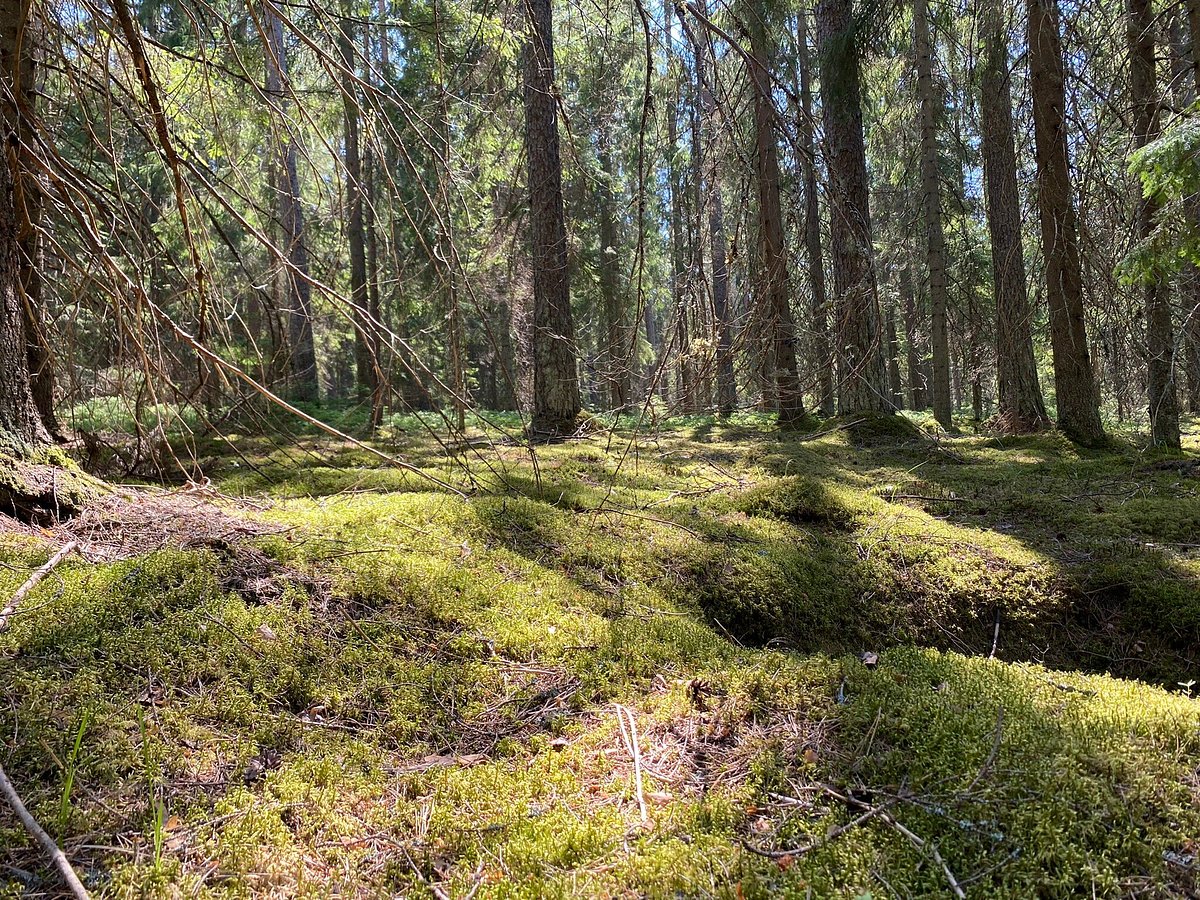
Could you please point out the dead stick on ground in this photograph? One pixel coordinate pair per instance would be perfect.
(921, 844)
(916, 840)
(631, 742)
(39, 834)
(34, 580)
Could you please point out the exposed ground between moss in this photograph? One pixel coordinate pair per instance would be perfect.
(350, 684)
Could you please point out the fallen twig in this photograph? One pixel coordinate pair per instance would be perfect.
(631, 743)
(34, 580)
(834, 430)
(820, 842)
(991, 757)
(39, 834)
(921, 844)
(870, 812)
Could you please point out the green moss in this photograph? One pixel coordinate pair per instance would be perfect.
(440, 711)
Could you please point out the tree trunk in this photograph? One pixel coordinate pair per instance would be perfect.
(1074, 381)
(931, 207)
(303, 359)
(364, 351)
(679, 339)
(894, 380)
(916, 376)
(1160, 340)
(21, 75)
(861, 368)
(1191, 299)
(614, 359)
(770, 220)
(1021, 406)
(21, 427)
(819, 312)
(556, 403)
(711, 193)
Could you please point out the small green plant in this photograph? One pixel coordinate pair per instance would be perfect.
(64, 803)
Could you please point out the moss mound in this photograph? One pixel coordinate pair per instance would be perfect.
(801, 500)
(403, 692)
(881, 430)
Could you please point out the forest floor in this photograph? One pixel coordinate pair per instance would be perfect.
(714, 661)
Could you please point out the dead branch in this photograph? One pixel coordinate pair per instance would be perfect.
(36, 831)
(34, 580)
(630, 737)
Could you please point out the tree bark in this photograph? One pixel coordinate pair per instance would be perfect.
(1074, 380)
(556, 403)
(615, 362)
(861, 368)
(931, 207)
(21, 427)
(893, 361)
(1021, 406)
(1191, 300)
(916, 375)
(711, 193)
(770, 219)
(819, 309)
(364, 331)
(302, 363)
(1160, 339)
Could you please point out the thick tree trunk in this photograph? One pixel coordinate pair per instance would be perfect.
(861, 367)
(1074, 380)
(21, 427)
(1160, 341)
(770, 220)
(556, 403)
(21, 74)
(1021, 406)
(819, 310)
(931, 207)
(364, 331)
(303, 359)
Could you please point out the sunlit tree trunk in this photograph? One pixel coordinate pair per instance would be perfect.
(303, 357)
(1160, 340)
(21, 426)
(27, 193)
(861, 368)
(1074, 380)
(931, 207)
(556, 403)
(819, 310)
(1021, 406)
(770, 219)
(1079, 414)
